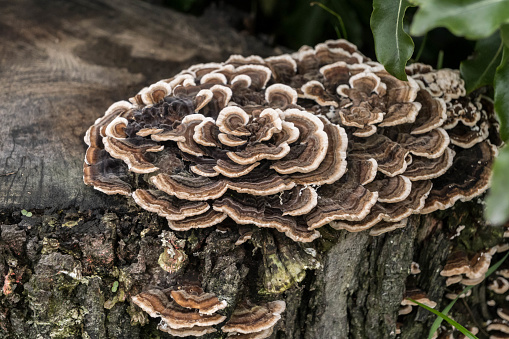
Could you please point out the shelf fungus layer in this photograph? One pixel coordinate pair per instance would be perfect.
(295, 142)
(254, 321)
(185, 311)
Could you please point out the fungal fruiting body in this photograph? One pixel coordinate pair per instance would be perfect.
(295, 142)
(189, 311)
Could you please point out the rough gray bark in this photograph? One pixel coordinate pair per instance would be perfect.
(62, 64)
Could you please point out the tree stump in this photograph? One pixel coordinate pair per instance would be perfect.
(71, 261)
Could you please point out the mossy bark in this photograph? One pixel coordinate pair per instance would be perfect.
(68, 269)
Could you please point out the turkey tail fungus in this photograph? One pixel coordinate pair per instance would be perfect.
(292, 143)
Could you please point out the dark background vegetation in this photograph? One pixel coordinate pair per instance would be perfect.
(293, 23)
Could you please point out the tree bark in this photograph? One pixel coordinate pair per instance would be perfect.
(69, 269)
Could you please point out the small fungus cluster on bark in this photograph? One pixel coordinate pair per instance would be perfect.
(323, 136)
(192, 312)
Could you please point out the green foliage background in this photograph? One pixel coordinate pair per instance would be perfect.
(472, 35)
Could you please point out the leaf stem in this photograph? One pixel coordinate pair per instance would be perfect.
(440, 60)
(421, 48)
(341, 23)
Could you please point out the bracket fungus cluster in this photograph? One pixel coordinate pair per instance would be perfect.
(323, 136)
(295, 142)
(250, 321)
(189, 311)
(185, 312)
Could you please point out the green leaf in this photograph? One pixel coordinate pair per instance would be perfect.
(29, 214)
(497, 201)
(501, 87)
(114, 287)
(24, 212)
(393, 46)
(479, 69)
(472, 19)
(438, 321)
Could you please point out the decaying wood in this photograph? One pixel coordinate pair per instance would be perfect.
(62, 64)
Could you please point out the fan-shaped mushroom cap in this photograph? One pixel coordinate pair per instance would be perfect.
(390, 156)
(419, 296)
(503, 313)
(283, 67)
(155, 93)
(279, 95)
(500, 327)
(134, 152)
(168, 206)
(294, 142)
(431, 115)
(423, 168)
(252, 319)
(473, 165)
(403, 310)
(104, 174)
(499, 285)
(453, 280)
(385, 226)
(245, 211)
(457, 264)
(195, 297)
(474, 269)
(316, 91)
(414, 268)
(207, 219)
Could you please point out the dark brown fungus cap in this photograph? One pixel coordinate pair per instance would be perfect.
(423, 168)
(254, 318)
(457, 264)
(390, 212)
(468, 271)
(390, 156)
(391, 190)
(246, 210)
(135, 152)
(167, 206)
(417, 295)
(471, 169)
(431, 115)
(105, 175)
(294, 142)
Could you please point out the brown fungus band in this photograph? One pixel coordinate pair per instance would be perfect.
(295, 142)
